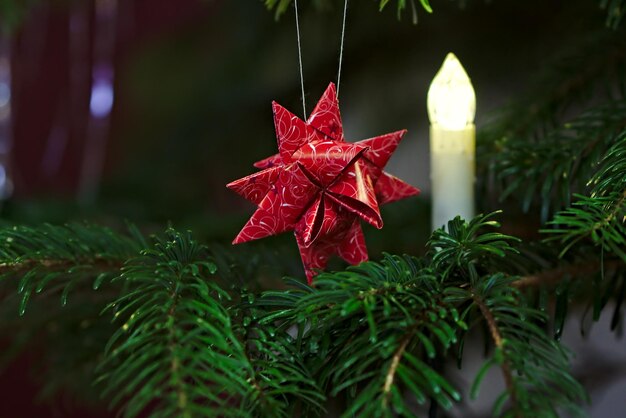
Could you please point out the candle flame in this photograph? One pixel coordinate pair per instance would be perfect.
(451, 99)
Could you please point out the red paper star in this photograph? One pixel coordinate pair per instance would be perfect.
(320, 186)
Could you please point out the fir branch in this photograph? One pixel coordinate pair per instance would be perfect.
(74, 243)
(600, 219)
(70, 260)
(174, 354)
(547, 171)
(614, 10)
(547, 143)
(393, 367)
(584, 276)
(282, 382)
(283, 385)
(281, 6)
(602, 215)
(466, 249)
(61, 257)
(531, 362)
(396, 366)
(367, 329)
(580, 75)
(177, 351)
(21, 267)
(611, 176)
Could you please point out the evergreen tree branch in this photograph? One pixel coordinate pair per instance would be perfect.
(22, 267)
(283, 385)
(466, 251)
(615, 11)
(70, 260)
(541, 365)
(396, 367)
(177, 351)
(614, 8)
(366, 330)
(584, 277)
(531, 362)
(598, 219)
(548, 142)
(174, 353)
(559, 162)
(281, 6)
(61, 257)
(534, 366)
(602, 215)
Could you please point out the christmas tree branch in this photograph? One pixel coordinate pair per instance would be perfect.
(600, 216)
(468, 261)
(559, 162)
(615, 9)
(178, 351)
(367, 330)
(571, 78)
(281, 6)
(535, 151)
(174, 334)
(97, 264)
(60, 257)
(530, 360)
(271, 352)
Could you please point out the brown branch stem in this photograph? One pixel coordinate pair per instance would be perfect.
(181, 394)
(397, 356)
(395, 362)
(499, 343)
(555, 275)
(25, 265)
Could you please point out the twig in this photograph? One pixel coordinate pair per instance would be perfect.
(181, 394)
(397, 356)
(499, 342)
(395, 362)
(555, 275)
(59, 264)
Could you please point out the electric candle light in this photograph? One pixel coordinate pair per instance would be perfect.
(451, 109)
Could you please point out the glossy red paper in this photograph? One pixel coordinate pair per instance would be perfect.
(320, 186)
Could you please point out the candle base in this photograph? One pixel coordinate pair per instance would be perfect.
(453, 173)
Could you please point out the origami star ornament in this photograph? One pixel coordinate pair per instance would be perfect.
(320, 186)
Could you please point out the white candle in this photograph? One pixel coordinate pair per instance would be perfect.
(451, 110)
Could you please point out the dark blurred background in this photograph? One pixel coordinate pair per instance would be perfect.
(144, 109)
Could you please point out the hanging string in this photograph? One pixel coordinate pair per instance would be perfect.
(295, 5)
(343, 32)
